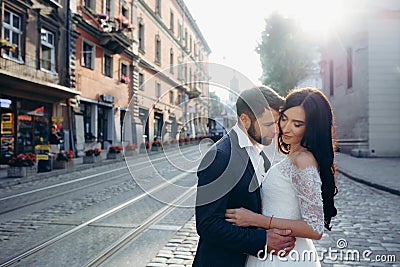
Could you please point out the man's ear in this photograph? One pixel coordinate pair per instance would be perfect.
(245, 120)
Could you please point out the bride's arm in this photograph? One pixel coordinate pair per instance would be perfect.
(244, 217)
(307, 184)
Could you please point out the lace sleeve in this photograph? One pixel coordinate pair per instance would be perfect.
(307, 184)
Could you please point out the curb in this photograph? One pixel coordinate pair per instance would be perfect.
(371, 184)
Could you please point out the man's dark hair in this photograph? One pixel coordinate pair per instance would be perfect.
(252, 103)
(275, 101)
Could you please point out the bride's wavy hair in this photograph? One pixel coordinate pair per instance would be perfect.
(318, 139)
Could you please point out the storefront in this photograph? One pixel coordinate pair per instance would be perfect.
(94, 124)
(28, 108)
(24, 124)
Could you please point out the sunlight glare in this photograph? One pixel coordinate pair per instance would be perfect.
(315, 16)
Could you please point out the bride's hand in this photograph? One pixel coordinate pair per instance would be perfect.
(240, 217)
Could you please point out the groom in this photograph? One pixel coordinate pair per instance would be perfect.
(229, 177)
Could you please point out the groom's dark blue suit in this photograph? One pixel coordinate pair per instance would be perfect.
(226, 180)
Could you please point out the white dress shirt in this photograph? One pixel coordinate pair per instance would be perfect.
(253, 151)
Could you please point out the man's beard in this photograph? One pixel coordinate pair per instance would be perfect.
(263, 141)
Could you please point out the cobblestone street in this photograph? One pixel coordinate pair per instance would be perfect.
(367, 220)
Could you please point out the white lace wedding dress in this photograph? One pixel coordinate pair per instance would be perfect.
(292, 193)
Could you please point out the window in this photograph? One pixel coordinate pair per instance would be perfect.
(171, 97)
(158, 49)
(125, 12)
(158, 7)
(190, 78)
(349, 68)
(48, 51)
(141, 81)
(90, 4)
(190, 44)
(124, 73)
(185, 73)
(180, 31)
(171, 21)
(87, 121)
(141, 35)
(180, 68)
(158, 90)
(186, 38)
(13, 33)
(331, 91)
(108, 65)
(171, 60)
(108, 8)
(88, 55)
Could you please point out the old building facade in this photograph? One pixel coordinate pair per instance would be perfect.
(103, 60)
(107, 72)
(360, 73)
(34, 78)
(172, 72)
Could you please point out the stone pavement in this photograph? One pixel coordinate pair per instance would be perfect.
(367, 220)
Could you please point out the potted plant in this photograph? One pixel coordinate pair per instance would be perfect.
(92, 155)
(144, 146)
(130, 150)
(63, 160)
(5, 44)
(165, 144)
(173, 142)
(22, 165)
(156, 145)
(114, 152)
(124, 79)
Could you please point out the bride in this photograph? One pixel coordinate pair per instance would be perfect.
(298, 192)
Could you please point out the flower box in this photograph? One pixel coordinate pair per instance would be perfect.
(130, 150)
(57, 164)
(130, 153)
(91, 159)
(18, 172)
(117, 156)
(144, 146)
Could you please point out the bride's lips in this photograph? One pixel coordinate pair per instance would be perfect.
(286, 136)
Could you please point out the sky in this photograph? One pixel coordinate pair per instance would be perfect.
(233, 29)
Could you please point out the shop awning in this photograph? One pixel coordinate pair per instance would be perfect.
(16, 85)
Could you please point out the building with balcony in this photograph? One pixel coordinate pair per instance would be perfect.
(172, 97)
(360, 75)
(34, 79)
(103, 62)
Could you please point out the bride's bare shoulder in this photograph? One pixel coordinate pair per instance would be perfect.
(304, 159)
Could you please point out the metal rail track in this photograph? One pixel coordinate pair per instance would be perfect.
(57, 238)
(132, 234)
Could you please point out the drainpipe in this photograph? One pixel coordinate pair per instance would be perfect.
(68, 46)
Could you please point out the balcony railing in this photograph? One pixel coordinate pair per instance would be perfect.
(30, 69)
(117, 33)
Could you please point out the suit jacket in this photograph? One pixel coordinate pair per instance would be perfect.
(226, 180)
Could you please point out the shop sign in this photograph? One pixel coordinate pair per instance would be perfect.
(42, 152)
(5, 103)
(57, 119)
(107, 98)
(6, 123)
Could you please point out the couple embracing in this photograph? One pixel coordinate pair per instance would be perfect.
(249, 213)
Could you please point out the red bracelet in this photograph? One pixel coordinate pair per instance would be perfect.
(270, 221)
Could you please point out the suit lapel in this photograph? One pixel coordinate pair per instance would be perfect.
(245, 158)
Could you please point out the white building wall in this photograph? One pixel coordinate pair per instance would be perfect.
(384, 84)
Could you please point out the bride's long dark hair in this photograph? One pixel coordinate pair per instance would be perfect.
(317, 139)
